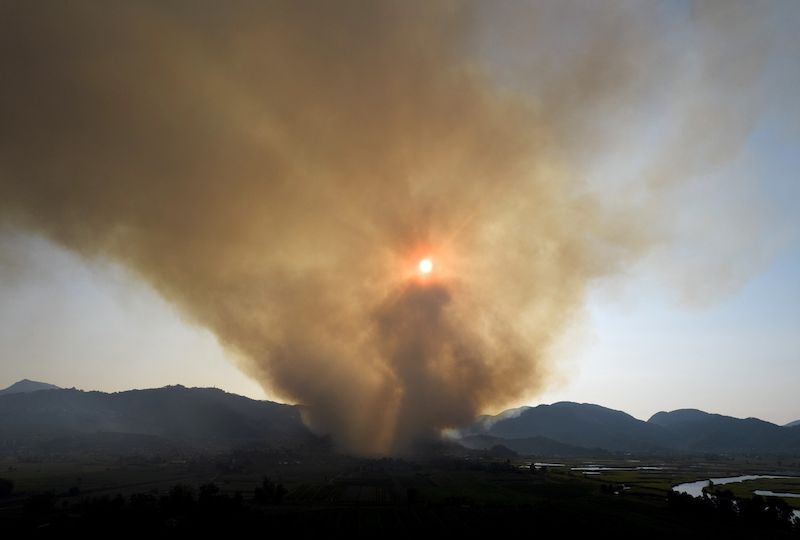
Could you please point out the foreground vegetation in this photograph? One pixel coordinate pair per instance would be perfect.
(327, 493)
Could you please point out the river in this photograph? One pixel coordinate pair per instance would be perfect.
(695, 489)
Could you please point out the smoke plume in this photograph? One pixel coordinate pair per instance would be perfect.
(276, 170)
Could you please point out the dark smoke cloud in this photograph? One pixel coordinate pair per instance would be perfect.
(276, 169)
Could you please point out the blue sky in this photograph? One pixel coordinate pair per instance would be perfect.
(739, 353)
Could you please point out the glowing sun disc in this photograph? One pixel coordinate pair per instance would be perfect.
(425, 266)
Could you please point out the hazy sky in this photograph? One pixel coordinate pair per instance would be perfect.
(653, 337)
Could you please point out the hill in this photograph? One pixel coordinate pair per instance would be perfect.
(699, 431)
(39, 418)
(579, 427)
(25, 386)
(156, 419)
(583, 425)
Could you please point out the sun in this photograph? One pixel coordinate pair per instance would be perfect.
(425, 266)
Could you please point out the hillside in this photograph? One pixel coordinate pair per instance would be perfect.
(25, 386)
(38, 418)
(173, 416)
(699, 431)
(584, 426)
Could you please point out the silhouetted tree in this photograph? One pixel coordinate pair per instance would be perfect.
(6, 487)
(179, 500)
(208, 492)
(40, 503)
(269, 492)
(280, 493)
(143, 501)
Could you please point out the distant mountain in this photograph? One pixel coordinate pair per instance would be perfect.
(568, 428)
(793, 424)
(583, 425)
(38, 418)
(162, 418)
(681, 416)
(26, 385)
(693, 430)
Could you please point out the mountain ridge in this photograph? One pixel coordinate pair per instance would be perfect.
(27, 385)
(171, 416)
(586, 425)
(176, 417)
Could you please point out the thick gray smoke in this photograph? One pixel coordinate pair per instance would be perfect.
(276, 170)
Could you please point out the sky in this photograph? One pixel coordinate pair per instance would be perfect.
(709, 319)
(643, 349)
